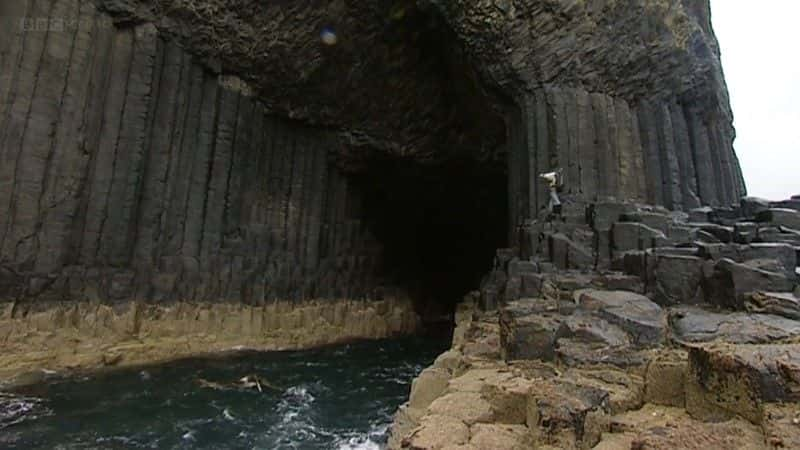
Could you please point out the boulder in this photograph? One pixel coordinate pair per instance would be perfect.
(567, 254)
(428, 386)
(527, 333)
(784, 253)
(726, 379)
(675, 279)
(604, 214)
(752, 206)
(632, 263)
(692, 324)
(468, 407)
(701, 215)
(517, 267)
(557, 413)
(452, 361)
(435, 432)
(585, 327)
(626, 236)
(481, 340)
(726, 283)
(508, 397)
(745, 232)
(642, 319)
(665, 377)
(523, 279)
(531, 284)
(780, 217)
(625, 390)
(721, 232)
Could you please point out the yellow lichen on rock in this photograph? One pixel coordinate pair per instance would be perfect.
(86, 336)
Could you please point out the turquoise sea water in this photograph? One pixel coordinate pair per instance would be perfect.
(340, 397)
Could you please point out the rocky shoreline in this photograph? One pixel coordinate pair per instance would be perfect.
(80, 337)
(625, 326)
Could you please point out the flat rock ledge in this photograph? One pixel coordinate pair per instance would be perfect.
(87, 337)
(624, 327)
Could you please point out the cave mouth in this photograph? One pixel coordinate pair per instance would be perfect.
(439, 224)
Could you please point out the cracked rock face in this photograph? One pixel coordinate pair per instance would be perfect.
(626, 85)
(393, 79)
(248, 151)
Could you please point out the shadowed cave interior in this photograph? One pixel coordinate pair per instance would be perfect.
(440, 211)
(440, 226)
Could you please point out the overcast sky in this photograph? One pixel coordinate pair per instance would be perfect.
(760, 43)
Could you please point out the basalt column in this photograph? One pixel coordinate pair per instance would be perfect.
(130, 171)
(627, 98)
(659, 153)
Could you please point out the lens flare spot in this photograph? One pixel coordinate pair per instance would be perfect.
(328, 36)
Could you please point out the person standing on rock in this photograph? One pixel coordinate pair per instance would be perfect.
(555, 180)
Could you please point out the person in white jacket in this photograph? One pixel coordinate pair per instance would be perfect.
(555, 181)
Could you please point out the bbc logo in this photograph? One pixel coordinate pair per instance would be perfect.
(46, 24)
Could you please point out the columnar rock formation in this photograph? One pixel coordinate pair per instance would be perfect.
(131, 171)
(218, 151)
(659, 153)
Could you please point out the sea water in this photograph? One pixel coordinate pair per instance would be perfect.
(339, 397)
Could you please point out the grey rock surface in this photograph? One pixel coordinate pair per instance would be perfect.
(726, 283)
(634, 313)
(676, 279)
(693, 324)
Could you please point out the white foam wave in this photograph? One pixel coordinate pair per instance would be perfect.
(300, 394)
(359, 443)
(371, 440)
(14, 409)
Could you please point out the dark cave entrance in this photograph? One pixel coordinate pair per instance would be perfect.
(436, 198)
(440, 225)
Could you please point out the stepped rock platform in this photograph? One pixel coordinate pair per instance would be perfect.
(624, 326)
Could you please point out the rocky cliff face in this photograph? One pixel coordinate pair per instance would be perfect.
(162, 150)
(132, 171)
